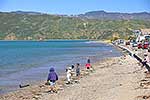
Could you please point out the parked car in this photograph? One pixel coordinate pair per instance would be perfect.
(134, 44)
(145, 45)
(128, 43)
(139, 45)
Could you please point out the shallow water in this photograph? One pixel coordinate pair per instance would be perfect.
(22, 62)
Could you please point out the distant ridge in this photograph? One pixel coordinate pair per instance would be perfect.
(99, 15)
(102, 15)
(27, 12)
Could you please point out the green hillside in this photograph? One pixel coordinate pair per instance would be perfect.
(33, 27)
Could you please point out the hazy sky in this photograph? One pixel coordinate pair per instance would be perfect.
(75, 6)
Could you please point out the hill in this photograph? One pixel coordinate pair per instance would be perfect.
(35, 26)
(102, 15)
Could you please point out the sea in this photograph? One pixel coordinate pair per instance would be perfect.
(27, 62)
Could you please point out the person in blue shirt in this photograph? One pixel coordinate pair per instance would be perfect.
(52, 78)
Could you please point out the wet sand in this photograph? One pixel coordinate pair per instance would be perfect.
(116, 78)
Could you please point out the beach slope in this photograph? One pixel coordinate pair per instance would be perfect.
(114, 79)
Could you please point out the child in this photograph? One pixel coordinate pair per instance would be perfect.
(78, 70)
(52, 78)
(68, 75)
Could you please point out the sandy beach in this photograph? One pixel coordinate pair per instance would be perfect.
(117, 78)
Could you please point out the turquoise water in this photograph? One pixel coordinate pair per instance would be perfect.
(22, 62)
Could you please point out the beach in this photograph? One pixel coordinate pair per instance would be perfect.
(28, 62)
(116, 78)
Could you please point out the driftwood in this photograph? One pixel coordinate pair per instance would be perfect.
(23, 86)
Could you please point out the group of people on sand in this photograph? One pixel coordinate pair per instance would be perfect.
(71, 72)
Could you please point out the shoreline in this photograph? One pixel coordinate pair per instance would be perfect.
(109, 76)
(40, 84)
(93, 58)
(62, 76)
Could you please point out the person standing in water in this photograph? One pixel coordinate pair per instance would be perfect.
(88, 60)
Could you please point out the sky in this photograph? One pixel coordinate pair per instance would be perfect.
(75, 7)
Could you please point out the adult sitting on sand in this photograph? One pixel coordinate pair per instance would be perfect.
(88, 65)
(52, 78)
